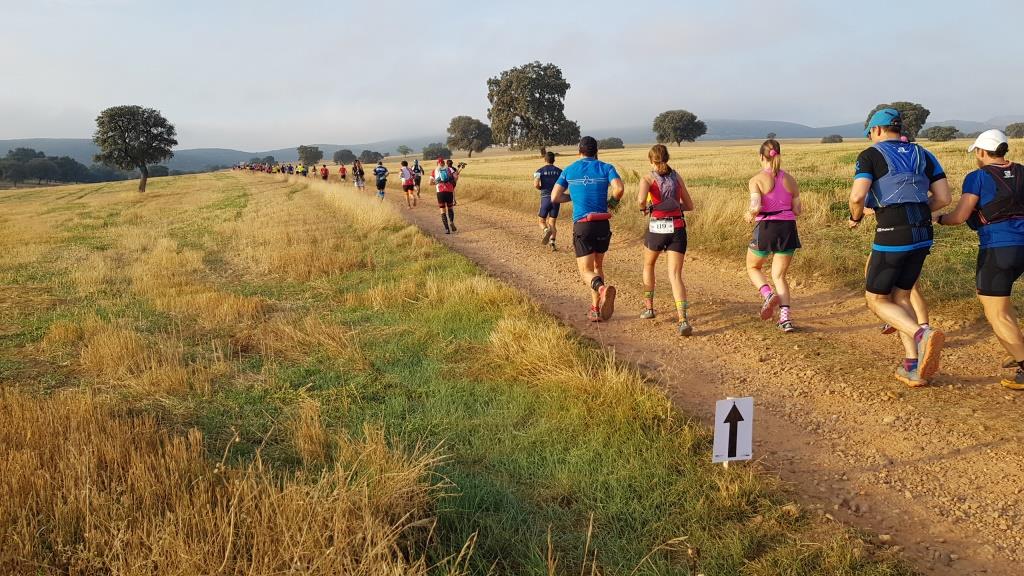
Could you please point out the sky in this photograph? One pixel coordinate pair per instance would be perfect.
(259, 75)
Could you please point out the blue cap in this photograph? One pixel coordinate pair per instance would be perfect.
(884, 117)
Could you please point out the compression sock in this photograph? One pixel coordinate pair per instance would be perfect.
(451, 215)
(910, 364)
(765, 291)
(596, 283)
(649, 299)
(444, 220)
(783, 314)
(681, 307)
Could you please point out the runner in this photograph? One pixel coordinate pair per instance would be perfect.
(408, 184)
(417, 171)
(324, 173)
(342, 173)
(544, 180)
(444, 177)
(358, 175)
(380, 174)
(300, 170)
(992, 204)
(894, 179)
(588, 181)
(663, 197)
(774, 207)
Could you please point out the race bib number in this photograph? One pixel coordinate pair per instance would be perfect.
(662, 226)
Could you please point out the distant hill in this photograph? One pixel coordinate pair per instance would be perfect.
(195, 159)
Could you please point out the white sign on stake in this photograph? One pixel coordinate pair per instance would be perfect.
(734, 430)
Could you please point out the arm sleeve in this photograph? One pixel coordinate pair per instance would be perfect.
(865, 166)
(932, 167)
(562, 181)
(972, 184)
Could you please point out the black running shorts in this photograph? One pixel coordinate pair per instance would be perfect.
(888, 270)
(408, 187)
(445, 199)
(591, 237)
(775, 236)
(674, 242)
(998, 269)
(381, 184)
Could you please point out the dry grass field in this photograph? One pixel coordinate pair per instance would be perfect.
(242, 374)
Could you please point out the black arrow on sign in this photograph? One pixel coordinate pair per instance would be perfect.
(733, 419)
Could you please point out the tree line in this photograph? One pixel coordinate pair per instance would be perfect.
(27, 164)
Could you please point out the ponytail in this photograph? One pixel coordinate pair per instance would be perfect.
(659, 157)
(772, 152)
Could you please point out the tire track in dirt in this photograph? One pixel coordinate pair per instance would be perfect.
(934, 471)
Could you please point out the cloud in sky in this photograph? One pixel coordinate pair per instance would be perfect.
(262, 74)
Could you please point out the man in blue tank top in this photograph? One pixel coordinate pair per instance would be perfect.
(903, 183)
(588, 181)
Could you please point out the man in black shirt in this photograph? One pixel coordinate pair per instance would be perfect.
(544, 180)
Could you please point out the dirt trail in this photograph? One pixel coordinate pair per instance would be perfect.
(935, 471)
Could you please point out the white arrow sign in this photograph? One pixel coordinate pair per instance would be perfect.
(734, 430)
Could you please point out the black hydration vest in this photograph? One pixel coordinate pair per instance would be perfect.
(1009, 200)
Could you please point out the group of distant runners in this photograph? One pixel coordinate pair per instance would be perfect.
(900, 182)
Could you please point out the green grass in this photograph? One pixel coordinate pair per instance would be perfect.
(546, 436)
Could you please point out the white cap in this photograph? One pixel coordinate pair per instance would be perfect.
(989, 140)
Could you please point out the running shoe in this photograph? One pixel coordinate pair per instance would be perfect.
(768, 308)
(685, 329)
(1015, 383)
(647, 314)
(454, 229)
(911, 378)
(594, 315)
(888, 329)
(547, 236)
(787, 326)
(606, 301)
(929, 352)
(1009, 362)
(447, 231)
(553, 249)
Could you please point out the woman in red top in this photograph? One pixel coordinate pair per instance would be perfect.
(663, 197)
(342, 172)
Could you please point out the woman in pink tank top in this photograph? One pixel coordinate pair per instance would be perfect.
(774, 206)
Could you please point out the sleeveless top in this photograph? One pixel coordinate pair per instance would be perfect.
(778, 203)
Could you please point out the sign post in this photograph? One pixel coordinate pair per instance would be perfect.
(734, 430)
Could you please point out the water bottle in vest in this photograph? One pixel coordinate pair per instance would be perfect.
(906, 182)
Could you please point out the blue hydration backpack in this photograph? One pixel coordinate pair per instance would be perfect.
(443, 175)
(906, 182)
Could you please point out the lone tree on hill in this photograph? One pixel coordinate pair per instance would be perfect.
(132, 137)
(914, 116)
(832, 139)
(770, 136)
(269, 160)
(678, 126)
(436, 150)
(940, 133)
(344, 156)
(528, 107)
(404, 150)
(310, 154)
(469, 134)
(1015, 130)
(254, 160)
(611, 143)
